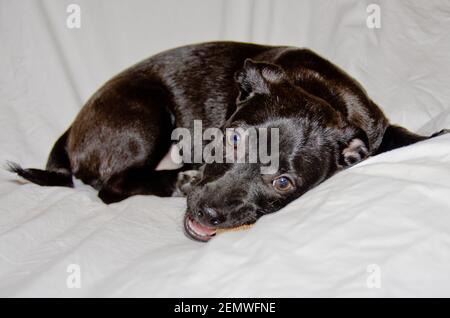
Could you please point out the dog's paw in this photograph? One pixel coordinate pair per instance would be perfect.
(185, 180)
(355, 152)
(440, 133)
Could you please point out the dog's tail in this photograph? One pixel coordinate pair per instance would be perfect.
(57, 171)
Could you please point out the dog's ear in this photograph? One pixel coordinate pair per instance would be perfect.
(355, 149)
(255, 78)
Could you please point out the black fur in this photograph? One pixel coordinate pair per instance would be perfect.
(327, 122)
(42, 177)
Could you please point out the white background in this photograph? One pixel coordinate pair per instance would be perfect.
(392, 210)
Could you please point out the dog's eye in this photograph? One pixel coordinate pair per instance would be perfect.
(282, 184)
(233, 139)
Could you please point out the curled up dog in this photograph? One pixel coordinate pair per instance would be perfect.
(311, 114)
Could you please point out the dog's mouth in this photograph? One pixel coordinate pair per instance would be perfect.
(197, 231)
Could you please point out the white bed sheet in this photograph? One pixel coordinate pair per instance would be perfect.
(392, 210)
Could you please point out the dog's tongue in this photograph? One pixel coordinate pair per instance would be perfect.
(201, 229)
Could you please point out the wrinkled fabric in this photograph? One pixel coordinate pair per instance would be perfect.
(390, 213)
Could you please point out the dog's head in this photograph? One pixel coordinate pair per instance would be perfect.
(313, 141)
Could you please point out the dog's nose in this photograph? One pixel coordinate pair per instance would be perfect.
(210, 216)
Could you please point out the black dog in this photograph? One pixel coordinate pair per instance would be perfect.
(325, 119)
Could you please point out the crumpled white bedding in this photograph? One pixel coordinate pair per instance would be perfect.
(381, 228)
